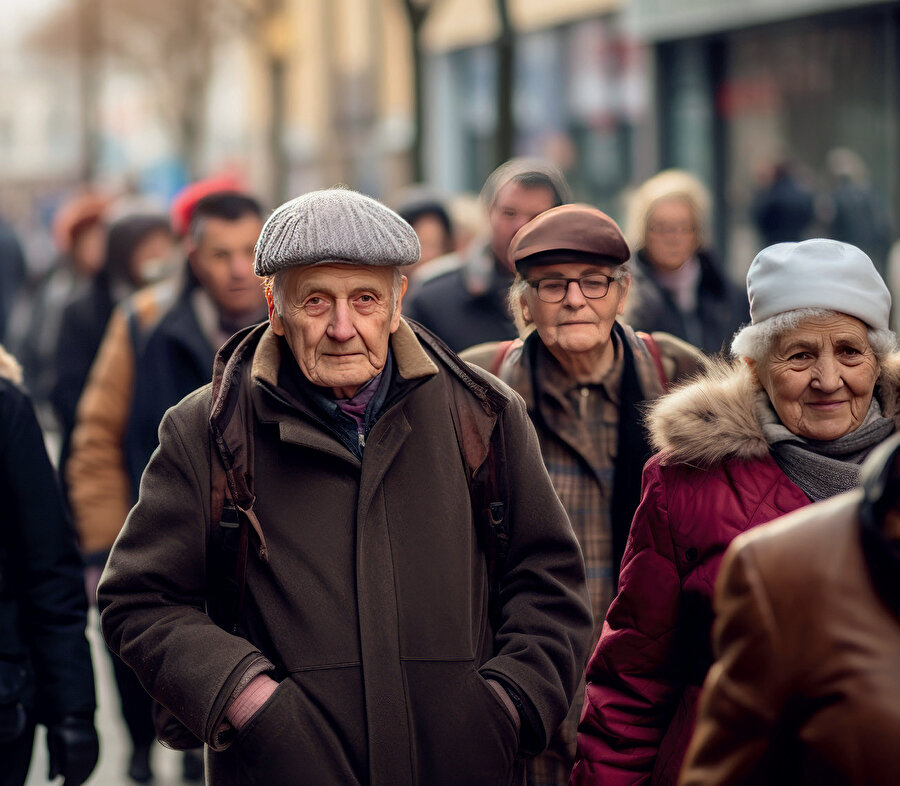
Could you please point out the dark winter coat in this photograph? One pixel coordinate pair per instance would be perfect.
(81, 331)
(45, 662)
(713, 479)
(372, 599)
(722, 306)
(174, 359)
(807, 631)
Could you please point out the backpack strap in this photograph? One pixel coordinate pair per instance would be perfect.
(488, 495)
(656, 354)
(502, 352)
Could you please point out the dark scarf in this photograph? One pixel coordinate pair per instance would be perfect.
(633, 447)
(824, 469)
(342, 418)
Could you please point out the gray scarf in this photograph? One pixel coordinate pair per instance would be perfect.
(823, 469)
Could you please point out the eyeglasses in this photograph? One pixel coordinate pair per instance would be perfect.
(554, 290)
(671, 229)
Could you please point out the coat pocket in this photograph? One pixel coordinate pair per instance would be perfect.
(463, 731)
(287, 741)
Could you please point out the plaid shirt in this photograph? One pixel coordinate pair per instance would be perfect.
(578, 429)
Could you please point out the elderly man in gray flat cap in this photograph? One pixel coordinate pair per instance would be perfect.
(333, 575)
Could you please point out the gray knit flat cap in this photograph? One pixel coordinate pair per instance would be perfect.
(335, 225)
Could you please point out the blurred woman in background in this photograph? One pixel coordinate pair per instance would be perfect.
(677, 284)
(138, 247)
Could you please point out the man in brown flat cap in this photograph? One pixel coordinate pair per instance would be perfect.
(583, 376)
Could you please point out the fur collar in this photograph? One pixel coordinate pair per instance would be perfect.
(714, 418)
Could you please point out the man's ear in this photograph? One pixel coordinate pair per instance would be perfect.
(625, 284)
(395, 317)
(526, 312)
(274, 319)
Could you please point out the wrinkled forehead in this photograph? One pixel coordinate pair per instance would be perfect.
(338, 277)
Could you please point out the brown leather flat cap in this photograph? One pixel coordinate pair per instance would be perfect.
(569, 232)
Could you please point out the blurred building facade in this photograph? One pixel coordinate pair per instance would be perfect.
(581, 94)
(298, 94)
(743, 83)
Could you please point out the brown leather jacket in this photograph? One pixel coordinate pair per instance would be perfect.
(806, 689)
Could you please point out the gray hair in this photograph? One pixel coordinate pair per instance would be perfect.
(531, 173)
(755, 341)
(520, 286)
(275, 285)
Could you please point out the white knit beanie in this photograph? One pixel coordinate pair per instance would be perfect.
(335, 225)
(817, 273)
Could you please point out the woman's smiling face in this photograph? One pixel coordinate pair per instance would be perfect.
(820, 376)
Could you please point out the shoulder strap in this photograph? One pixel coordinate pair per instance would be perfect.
(502, 352)
(653, 349)
(488, 495)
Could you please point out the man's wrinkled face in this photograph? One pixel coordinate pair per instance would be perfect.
(222, 260)
(338, 321)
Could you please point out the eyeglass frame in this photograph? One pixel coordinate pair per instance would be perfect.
(609, 282)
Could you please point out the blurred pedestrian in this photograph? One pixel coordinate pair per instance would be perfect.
(79, 233)
(584, 378)
(426, 213)
(46, 675)
(858, 214)
(784, 206)
(814, 390)
(137, 247)
(468, 306)
(678, 286)
(376, 642)
(13, 272)
(806, 685)
(156, 350)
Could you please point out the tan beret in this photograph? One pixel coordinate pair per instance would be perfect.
(576, 230)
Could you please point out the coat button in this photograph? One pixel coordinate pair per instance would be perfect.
(691, 554)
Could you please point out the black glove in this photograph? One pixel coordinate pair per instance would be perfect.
(74, 748)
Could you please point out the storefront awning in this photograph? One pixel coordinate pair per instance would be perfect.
(660, 20)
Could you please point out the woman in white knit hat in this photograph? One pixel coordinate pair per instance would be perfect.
(813, 388)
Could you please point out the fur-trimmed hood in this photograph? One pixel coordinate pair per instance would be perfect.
(715, 417)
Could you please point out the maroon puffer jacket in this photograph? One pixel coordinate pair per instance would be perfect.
(644, 677)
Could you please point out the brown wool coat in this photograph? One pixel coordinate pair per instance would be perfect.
(373, 600)
(807, 632)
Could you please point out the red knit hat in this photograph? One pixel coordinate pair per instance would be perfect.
(181, 208)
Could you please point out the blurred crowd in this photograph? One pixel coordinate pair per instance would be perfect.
(629, 347)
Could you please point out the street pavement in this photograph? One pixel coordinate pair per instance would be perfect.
(114, 745)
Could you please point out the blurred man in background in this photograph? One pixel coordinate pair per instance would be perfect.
(468, 306)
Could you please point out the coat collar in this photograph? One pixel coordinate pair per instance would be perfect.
(715, 418)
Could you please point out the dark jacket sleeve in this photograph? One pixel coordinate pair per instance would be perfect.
(633, 679)
(46, 565)
(545, 626)
(745, 690)
(152, 592)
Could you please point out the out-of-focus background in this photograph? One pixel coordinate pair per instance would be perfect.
(295, 94)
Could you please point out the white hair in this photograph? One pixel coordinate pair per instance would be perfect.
(755, 341)
(275, 285)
